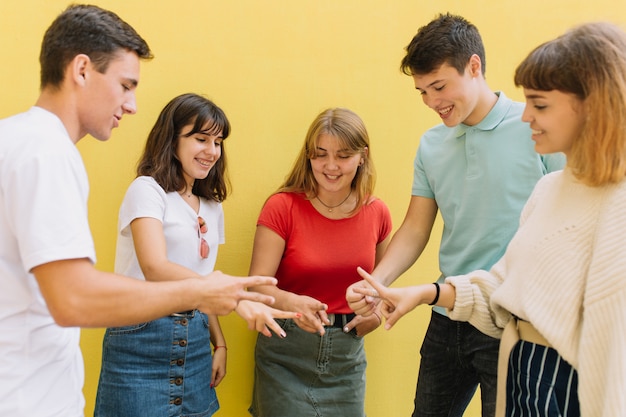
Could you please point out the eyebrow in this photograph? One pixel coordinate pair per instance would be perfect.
(319, 148)
(430, 85)
(209, 132)
(534, 96)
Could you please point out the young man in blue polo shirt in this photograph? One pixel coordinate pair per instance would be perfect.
(477, 168)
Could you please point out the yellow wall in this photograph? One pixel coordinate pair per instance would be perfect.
(272, 66)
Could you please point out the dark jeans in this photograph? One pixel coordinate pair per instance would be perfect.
(456, 358)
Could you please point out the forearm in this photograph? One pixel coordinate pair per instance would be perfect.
(285, 300)
(80, 295)
(216, 334)
(446, 296)
(403, 250)
(166, 271)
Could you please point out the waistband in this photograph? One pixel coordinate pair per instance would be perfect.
(188, 313)
(515, 330)
(340, 320)
(528, 333)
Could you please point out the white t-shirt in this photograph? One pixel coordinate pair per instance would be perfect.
(43, 218)
(146, 198)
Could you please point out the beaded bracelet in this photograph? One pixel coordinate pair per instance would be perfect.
(436, 295)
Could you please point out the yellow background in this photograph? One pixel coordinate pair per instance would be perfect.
(272, 66)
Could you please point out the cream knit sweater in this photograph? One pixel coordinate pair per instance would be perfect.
(565, 272)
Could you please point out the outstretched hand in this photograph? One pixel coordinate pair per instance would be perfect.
(314, 316)
(260, 317)
(220, 293)
(361, 302)
(396, 302)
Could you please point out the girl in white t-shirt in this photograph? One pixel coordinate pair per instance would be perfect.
(170, 225)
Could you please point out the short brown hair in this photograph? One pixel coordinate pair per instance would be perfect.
(588, 61)
(90, 30)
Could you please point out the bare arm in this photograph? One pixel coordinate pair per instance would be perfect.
(77, 294)
(266, 255)
(151, 249)
(396, 302)
(220, 351)
(409, 241)
(405, 247)
(365, 325)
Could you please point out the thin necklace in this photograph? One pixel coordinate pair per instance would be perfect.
(330, 208)
(185, 191)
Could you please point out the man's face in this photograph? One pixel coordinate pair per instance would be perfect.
(452, 95)
(107, 97)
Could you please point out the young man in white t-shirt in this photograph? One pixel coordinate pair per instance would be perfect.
(89, 72)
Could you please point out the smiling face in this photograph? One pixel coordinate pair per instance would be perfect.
(455, 97)
(334, 167)
(198, 152)
(107, 96)
(556, 119)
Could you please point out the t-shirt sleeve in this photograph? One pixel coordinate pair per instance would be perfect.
(48, 208)
(421, 187)
(274, 214)
(220, 225)
(144, 198)
(385, 220)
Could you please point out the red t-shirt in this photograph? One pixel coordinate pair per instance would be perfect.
(321, 255)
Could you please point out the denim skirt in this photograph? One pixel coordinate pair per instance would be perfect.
(161, 368)
(307, 375)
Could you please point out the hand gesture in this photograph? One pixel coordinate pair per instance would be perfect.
(219, 366)
(313, 314)
(220, 293)
(396, 302)
(360, 301)
(260, 317)
(364, 325)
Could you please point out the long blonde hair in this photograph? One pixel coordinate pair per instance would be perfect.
(350, 130)
(588, 61)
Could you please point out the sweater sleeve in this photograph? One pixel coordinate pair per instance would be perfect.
(472, 304)
(602, 358)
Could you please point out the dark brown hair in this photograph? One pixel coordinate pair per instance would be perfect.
(448, 39)
(90, 30)
(159, 159)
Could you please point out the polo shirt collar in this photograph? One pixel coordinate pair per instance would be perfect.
(491, 120)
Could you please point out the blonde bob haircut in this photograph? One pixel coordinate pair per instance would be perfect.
(349, 129)
(588, 61)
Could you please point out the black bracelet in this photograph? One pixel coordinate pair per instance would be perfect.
(437, 295)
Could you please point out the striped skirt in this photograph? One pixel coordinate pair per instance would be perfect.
(540, 383)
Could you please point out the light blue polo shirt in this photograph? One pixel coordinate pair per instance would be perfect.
(480, 176)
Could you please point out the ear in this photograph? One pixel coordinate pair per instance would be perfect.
(365, 152)
(78, 69)
(475, 66)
